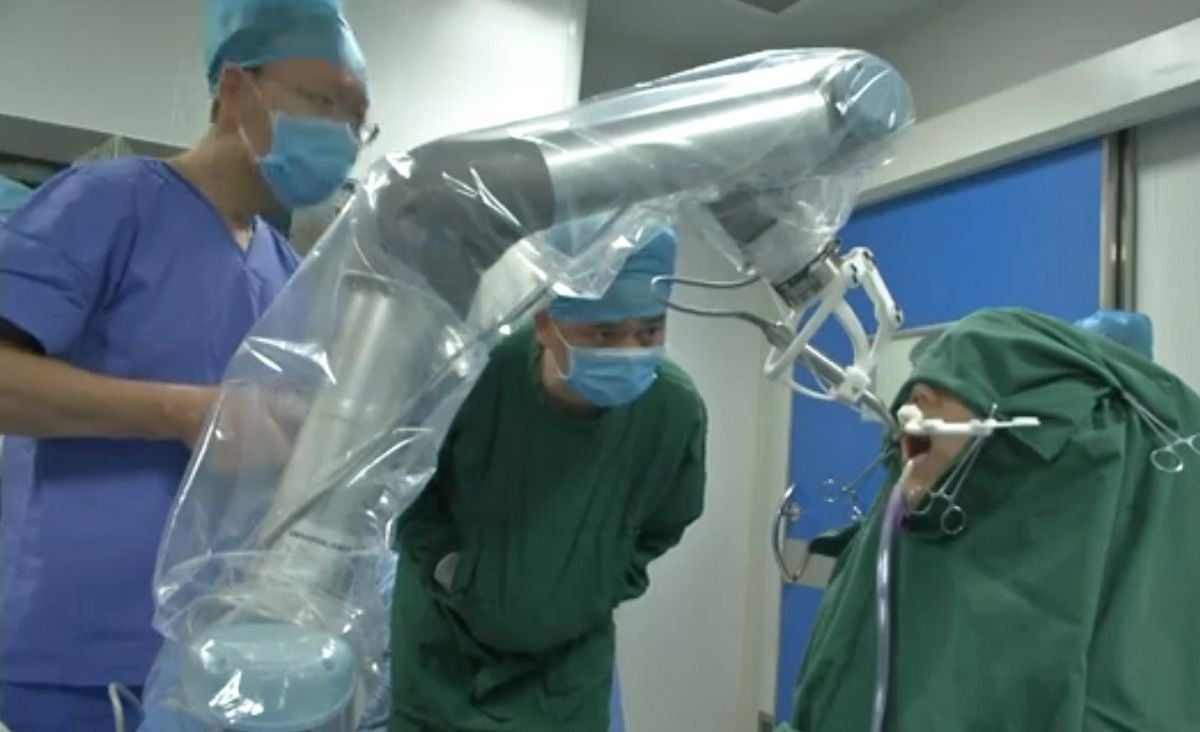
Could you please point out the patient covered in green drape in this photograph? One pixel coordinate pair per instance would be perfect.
(1069, 600)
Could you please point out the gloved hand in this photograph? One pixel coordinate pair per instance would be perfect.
(445, 570)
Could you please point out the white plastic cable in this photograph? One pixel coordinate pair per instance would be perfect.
(116, 694)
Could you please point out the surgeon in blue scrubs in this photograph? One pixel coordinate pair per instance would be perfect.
(125, 288)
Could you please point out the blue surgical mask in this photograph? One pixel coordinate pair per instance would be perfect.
(611, 377)
(309, 158)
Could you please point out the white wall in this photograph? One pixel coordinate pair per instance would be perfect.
(444, 66)
(128, 67)
(1149, 79)
(983, 46)
(765, 589)
(698, 652)
(692, 651)
(437, 66)
(1168, 239)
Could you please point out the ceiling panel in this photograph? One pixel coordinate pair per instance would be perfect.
(716, 28)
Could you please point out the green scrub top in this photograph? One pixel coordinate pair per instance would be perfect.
(556, 518)
(1070, 602)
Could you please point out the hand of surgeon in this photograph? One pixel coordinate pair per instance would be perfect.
(252, 431)
(445, 570)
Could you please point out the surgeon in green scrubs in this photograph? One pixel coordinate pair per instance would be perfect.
(577, 460)
(1069, 600)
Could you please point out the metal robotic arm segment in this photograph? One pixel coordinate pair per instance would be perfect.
(466, 199)
(455, 206)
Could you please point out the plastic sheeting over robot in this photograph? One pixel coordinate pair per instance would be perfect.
(334, 408)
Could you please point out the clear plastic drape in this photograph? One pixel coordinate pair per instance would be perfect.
(333, 410)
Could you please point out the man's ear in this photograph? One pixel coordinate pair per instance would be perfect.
(230, 84)
(543, 328)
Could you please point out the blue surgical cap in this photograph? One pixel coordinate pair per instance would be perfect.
(12, 196)
(631, 294)
(249, 33)
(1132, 330)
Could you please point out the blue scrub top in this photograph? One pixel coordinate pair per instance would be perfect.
(120, 268)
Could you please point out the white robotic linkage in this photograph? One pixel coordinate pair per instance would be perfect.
(334, 408)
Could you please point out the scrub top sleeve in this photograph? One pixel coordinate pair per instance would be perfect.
(54, 255)
(680, 507)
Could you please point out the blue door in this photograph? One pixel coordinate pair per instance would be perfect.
(1025, 235)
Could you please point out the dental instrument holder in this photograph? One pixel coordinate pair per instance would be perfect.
(531, 185)
(972, 428)
(914, 422)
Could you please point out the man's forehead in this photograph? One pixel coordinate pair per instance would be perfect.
(624, 323)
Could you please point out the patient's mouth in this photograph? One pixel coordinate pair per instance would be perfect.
(915, 447)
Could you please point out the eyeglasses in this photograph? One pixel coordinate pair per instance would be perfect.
(366, 133)
(313, 103)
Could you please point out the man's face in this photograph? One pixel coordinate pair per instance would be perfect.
(311, 88)
(630, 333)
(934, 455)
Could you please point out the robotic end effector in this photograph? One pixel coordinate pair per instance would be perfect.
(786, 237)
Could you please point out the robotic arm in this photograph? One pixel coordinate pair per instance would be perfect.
(264, 586)
(738, 142)
(757, 147)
